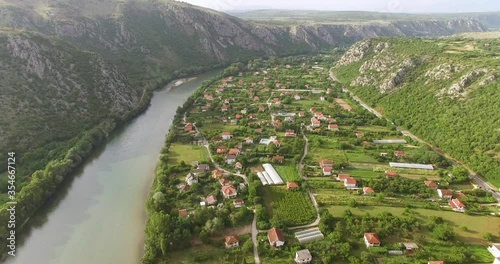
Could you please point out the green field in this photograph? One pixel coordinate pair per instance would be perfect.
(207, 254)
(288, 172)
(189, 153)
(477, 225)
(292, 208)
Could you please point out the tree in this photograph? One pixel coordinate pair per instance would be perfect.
(247, 246)
(443, 232)
(488, 236)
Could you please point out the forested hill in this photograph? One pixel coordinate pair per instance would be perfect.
(446, 91)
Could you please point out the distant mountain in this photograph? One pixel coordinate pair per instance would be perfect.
(445, 91)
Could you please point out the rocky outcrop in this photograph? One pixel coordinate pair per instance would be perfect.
(460, 88)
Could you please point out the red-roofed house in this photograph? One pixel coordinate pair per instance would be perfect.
(229, 191)
(368, 190)
(221, 149)
(249, 140)
(234, 151)
(278, 158)
(315, 122)
(277, 143)
(224, 182)
(327, 171)
(456, 205)
(390, 174)
(342, 176)
(326, 163)
(211, 200)
(227, 135)
(436, 262)
(183, 213)
(209, 97)
(275, 237)
(359, 134)
(431, 184)
(290, 133)
(224, 108)
(292, 185)
(445, 193)
(216, 174)
(371, 240)
(302, 114)
(232, 241)
(333, 127)
(350, 183)
(399, 153)
(238, 165)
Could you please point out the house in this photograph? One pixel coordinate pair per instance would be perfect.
(296, 97)
(329, 90)
(226, 135)
(315, 122)
(238, 203)
(368, 190)
(277, 143)
(275, 237)
(216, 174)
(312, 109)
(232, 241)
(431, 184)
(224, 108)
(399, 153)
(456, 205)
(320, 116)
(326, 164)
(211, 200)
(277, 101)
(223, 181)
(333, 127)
(191, 178)
(445, 193)
(230, 159)
(276, 123)
(322, 98)
(279, 158)
(209, 97)
(188, 127)
(221, 149)
(350, 183)
(390, 174)
(183, 187)
(290, 133)
(289, 119)
(436, 262)
(234, 151)
(228, 191)
(203, 167)
(249, 140)
(292, 185)
(259, 130)
(303, 256)
(302, 114)
(371, 240)
(183, 213)
(494, 249)
(327, 171)
(238, 165)
(410, 247)
(359, 134)
(342, 176)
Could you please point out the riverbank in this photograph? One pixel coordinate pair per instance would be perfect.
(75, 159)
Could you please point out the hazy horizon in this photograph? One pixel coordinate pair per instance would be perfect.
(387, 6)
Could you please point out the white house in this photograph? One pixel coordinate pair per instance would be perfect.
(350, 183)
(297, 97)
(191, 178)
(495, 250)
(275, 237)
(445, 193)
(226, 135)
(231, 159)
(371, 240)
(456, 205)
(303, 256)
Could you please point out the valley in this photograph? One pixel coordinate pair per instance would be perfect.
(314, 158)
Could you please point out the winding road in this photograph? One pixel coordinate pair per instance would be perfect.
(473, 175)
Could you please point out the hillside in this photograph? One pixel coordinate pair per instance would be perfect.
(445, 91)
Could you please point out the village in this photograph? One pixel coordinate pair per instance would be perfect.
(293, 170)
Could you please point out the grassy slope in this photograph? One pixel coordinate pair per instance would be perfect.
(464, 127)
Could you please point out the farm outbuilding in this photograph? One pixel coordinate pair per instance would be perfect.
(272, 174)
(390, 141)
(411, 166)
(309, 235)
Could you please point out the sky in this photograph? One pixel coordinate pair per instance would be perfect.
(391, 6)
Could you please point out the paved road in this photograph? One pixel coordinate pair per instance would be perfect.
(473, 175)
(255, 232)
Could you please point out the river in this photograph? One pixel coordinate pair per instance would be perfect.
(99, 214)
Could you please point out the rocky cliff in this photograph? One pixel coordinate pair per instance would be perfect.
(445, 91)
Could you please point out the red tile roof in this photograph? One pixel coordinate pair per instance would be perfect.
(372, 238)
(183, 213)
(431, 184)
(211, 199)
(350, 181)
(292, 185)
(274, 235)
(228, 190)
(368, 190)
(232, 239)
(390, 173)
(343, 176)
(455, 203)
